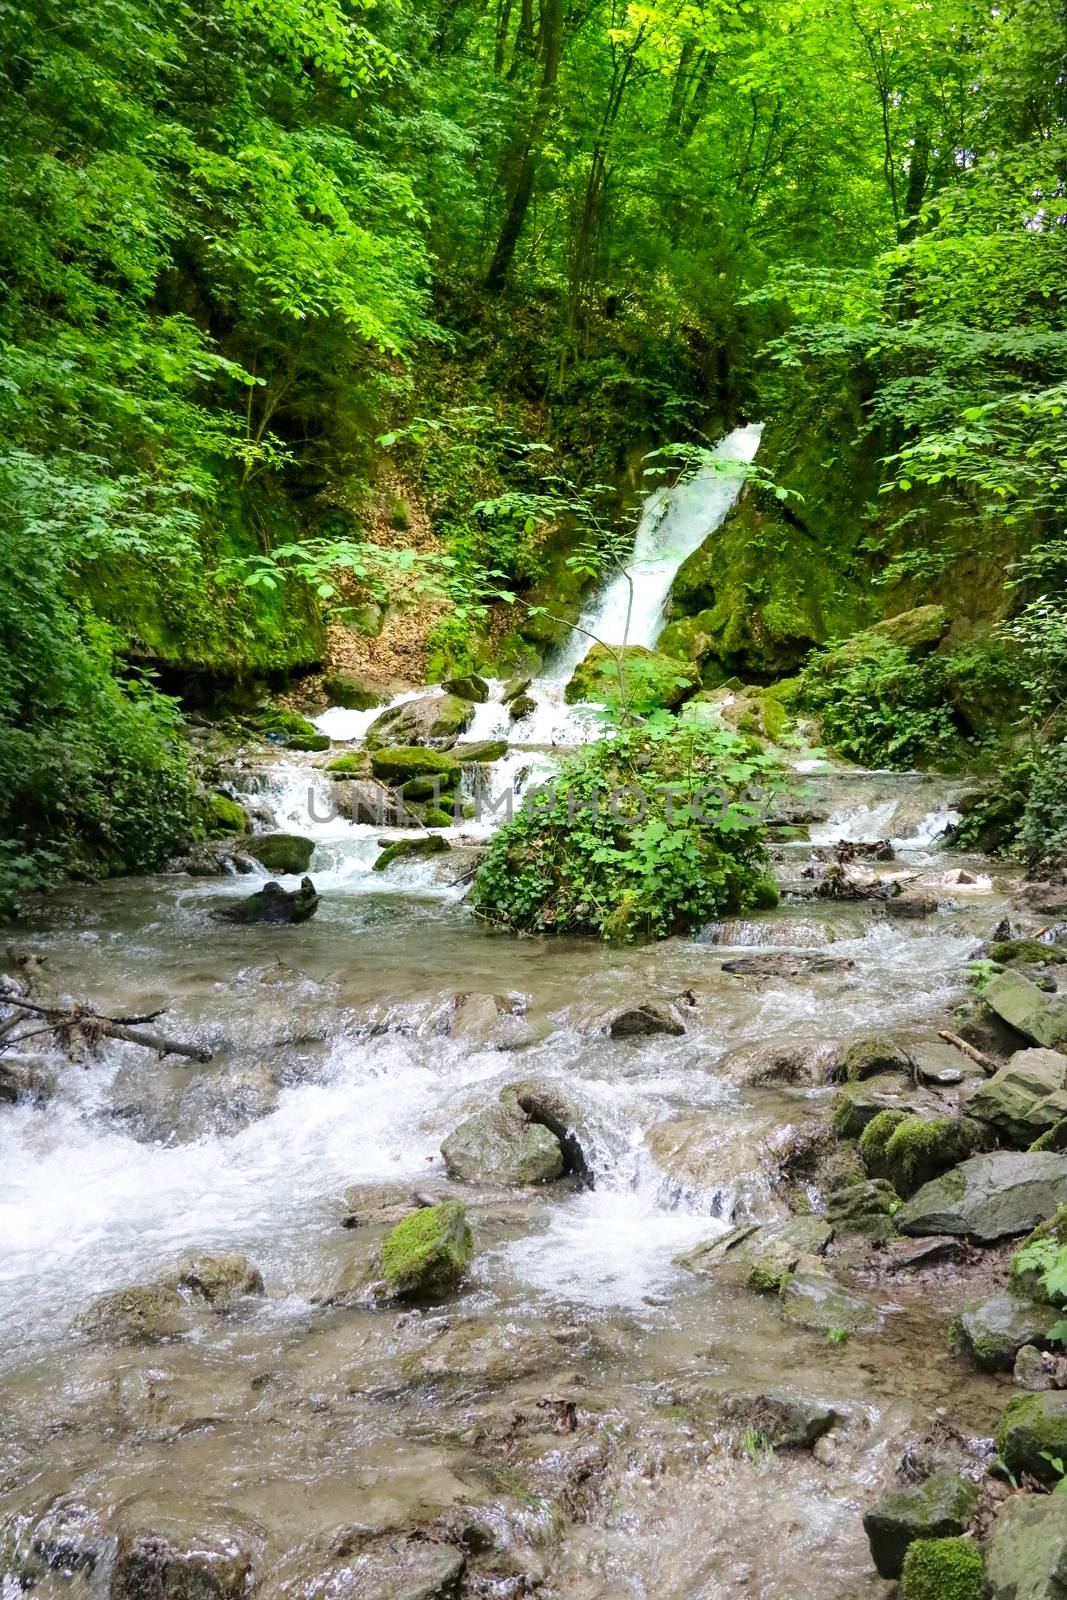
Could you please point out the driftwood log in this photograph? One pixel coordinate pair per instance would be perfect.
(79, 1028)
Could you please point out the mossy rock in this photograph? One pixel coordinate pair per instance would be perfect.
(416, 790)
(1032, 1429)
(224, 815)
(349, 690)
(513, 688)
(1026, 952)
(428, 1253)
(409, 849)
(309, 741)
(433, 818)
(471, 687)
(353, 764)
(917, 631)
(399, 763)
(483, 751)
(439, 717)
(942, 1569)
(940, 1507)
(910, 1150)
(280, 719)
(688, 639)
(148, 1313)
(869, 1058)
(281, 852)
(995, 1331)
(649, 680)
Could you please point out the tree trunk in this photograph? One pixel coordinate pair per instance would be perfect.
(523, 184)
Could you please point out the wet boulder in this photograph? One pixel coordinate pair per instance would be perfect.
(489, 1021)
(164, 1555)
(351, 690)
(1025, 1098)
(214, 858)
(1039, 1017)
(366, 801)
(221, 1281)
(272, 904)
(500, 1145)
(1026, 1553)
(1033, 1435)
(638, 1021)
(941, 1507)
(866, 1207)
(523, 705)
(989, 1196)
(146, 1313)
(763, 1257)
(480, 1355)
(223, 815)
(996, 1330)
(856, 1104)
(427, 1254)
(440, 717)
(221, 1102)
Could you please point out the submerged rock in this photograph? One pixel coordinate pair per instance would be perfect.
(1026, 1553)
(1040, 1017)
(163, 1555)
(815, 1300)
(428, 1253)
(152, 1313)
(995, 1331)
(763, 1256)
(785, 1419)
(489, 1021)
(358, 1566)
(26, 1079)
(221, 1281)
(941, 1507)
(1033, 1435)
(272, 904)
(989, 1197)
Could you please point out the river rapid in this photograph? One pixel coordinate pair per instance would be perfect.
(558, 1426)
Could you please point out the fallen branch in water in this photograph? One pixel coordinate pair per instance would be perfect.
(79, 1029)
(987, 1064)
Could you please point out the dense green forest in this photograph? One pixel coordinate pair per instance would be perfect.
(263, 260)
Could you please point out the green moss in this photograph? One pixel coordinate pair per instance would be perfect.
(876, 1136)
(1026, 952)
(433, 818)
(223, 815)
(280, 719)
(348, 690)
(481, 751)
(1027, 1275)
(398, 763)
(1032, 1429)
(309, 741)
(910, 1150)
(353, 764)
(1054, 1138)
(428, 1252)
(282, 852)
(402, 849)
(942, 1569)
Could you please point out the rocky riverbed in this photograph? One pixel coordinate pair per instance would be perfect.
(740, 1226)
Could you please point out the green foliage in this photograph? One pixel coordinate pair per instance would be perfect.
(1046, 1259)
(877, 705)
(1042, 841)
(674, 839)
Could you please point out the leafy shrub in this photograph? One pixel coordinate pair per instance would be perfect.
(688, 851)
(1042, 841)
(879, 706)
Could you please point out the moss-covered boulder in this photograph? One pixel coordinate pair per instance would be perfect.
(411, 849)
(910, 1150)
(867, 1207)
(472, 687)
(688, 639)
(399, 763)
(869, 1058)
(481, 751)
(996, 1330)
(284, 721)
(223, 815)
(856, 1104)
(432, 717)
(221, 1281)
(941, 1507)
(643, 680)
(428, 1253)
(523, 705)
(942, 1569)
(353, 764)
(309, 741)
(1026, 1553)
(281, 852)
(814, 1299)
(1027, 953)
(917, 631)
(1032, 1435)
(145, 1313)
